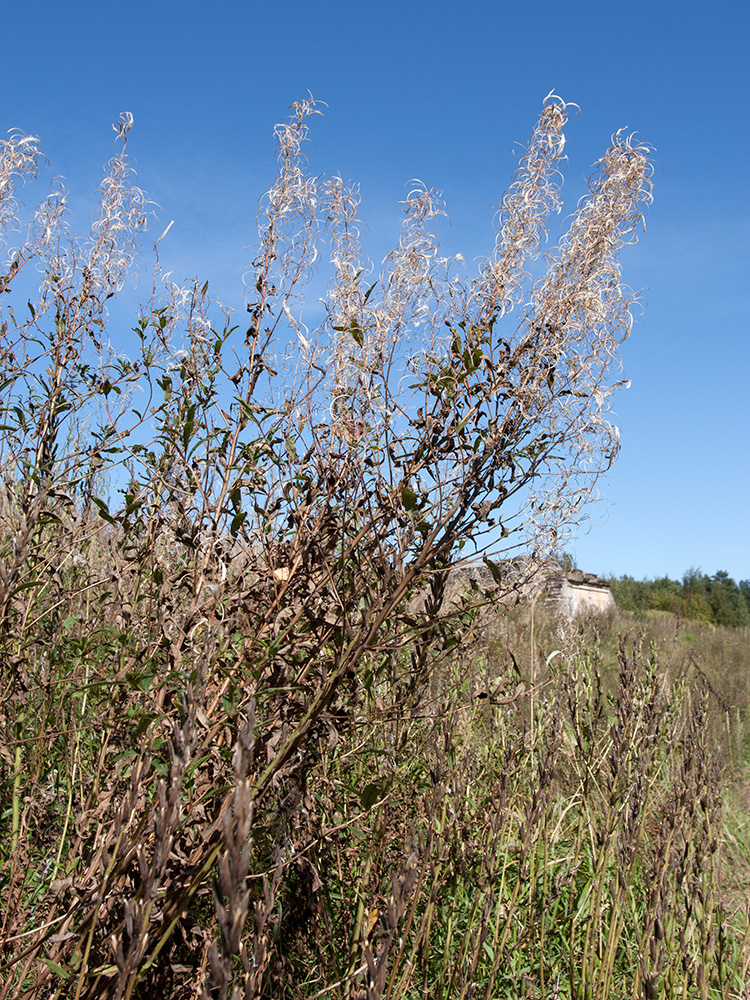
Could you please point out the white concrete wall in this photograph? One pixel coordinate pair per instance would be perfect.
(582, 599)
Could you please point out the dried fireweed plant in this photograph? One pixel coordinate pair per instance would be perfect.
(242, 752)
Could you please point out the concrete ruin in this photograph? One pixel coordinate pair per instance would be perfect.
(571, 593)
(575, 593)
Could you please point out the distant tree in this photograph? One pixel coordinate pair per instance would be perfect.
(728, 605)
(695, 587)
(715, 600)
(666, 595)
(630, 594)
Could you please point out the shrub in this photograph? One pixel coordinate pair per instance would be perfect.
(242, 736)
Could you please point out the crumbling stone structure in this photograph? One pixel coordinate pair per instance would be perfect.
(569, 592)
(575, 593)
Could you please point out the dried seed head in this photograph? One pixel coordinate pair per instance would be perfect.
(121, 217)
(19, 160)
(288, 213)
(523, 214)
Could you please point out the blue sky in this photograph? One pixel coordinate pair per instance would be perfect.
(446, 92)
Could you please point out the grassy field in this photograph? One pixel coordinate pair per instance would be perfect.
(557, 814)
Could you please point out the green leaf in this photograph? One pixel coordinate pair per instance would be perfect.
(237, 521)
(140, 681)
(187, 431)
(104, 510)
(54, 967)
(497, 573)
(408, 498)
(231, 700)
(370, 794)
(357, 332)
(105, 970)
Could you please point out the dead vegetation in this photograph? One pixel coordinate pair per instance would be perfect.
(238, 760)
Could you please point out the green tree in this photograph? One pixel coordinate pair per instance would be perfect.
(630, 594)
(728, 605)
(665, 594)
(696, 586)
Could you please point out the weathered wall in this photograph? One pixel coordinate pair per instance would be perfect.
(581, 599)
(577, 593)
(570, 593)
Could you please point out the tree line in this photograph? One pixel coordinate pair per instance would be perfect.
(717, 599)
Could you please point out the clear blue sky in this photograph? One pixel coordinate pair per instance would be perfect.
(442, 91)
